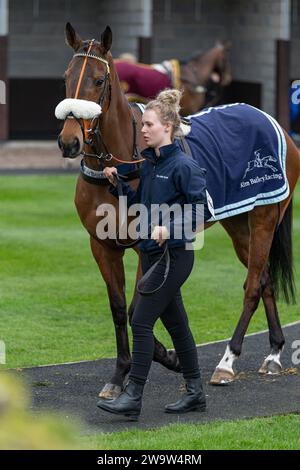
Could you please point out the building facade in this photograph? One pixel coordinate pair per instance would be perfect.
(33, 53)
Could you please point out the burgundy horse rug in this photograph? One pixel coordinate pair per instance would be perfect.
(147, 81)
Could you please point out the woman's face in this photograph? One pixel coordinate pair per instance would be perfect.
(154, 131)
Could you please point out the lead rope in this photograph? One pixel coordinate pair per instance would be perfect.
(166, 254)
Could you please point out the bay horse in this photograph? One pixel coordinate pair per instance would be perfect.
(260, 237)
(201, 77)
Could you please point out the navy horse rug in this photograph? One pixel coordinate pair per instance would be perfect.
(243, 150)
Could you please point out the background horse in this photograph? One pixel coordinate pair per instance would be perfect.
(261, 237)
(202, 77)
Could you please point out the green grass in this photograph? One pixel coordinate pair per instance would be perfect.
(53, 301)
(54, 306)
(278, 432)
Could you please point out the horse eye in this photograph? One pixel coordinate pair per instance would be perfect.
(99, 81)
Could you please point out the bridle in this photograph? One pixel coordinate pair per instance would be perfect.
(92, 136)
(90, 128)
(107, 73)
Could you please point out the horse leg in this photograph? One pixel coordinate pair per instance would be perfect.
(167, 358)
(238, 229)
(252, 243)
(272, 364)
(110, 263)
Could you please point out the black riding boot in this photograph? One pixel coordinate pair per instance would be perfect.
(128, 403)
(192, 400)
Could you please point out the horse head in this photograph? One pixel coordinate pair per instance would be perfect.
(221, 63)
(88, 90)
(203, 76)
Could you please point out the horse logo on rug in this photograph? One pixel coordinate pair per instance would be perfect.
(261, 162)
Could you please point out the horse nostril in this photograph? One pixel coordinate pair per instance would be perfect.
(69, 149)
(60, 144)
(76, 145)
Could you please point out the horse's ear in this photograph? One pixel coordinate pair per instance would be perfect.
(106, 39)
(72, 39)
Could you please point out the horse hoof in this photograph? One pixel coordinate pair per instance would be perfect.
(110, 391)
(271, 368)
(221, 377)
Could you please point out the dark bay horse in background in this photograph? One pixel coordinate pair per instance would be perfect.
(202, 78)
(108, 139)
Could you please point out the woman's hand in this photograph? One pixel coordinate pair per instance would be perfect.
(110, 172)
(160, 234)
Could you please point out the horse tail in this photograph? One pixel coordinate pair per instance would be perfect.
(281, 259)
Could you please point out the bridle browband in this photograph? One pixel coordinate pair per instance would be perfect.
(93, 56)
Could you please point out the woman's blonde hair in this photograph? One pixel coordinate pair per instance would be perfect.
(167, 104)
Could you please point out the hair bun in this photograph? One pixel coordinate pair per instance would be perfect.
(166, 104)
(170, 97)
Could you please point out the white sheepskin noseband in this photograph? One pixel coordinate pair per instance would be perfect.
(79, 108)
